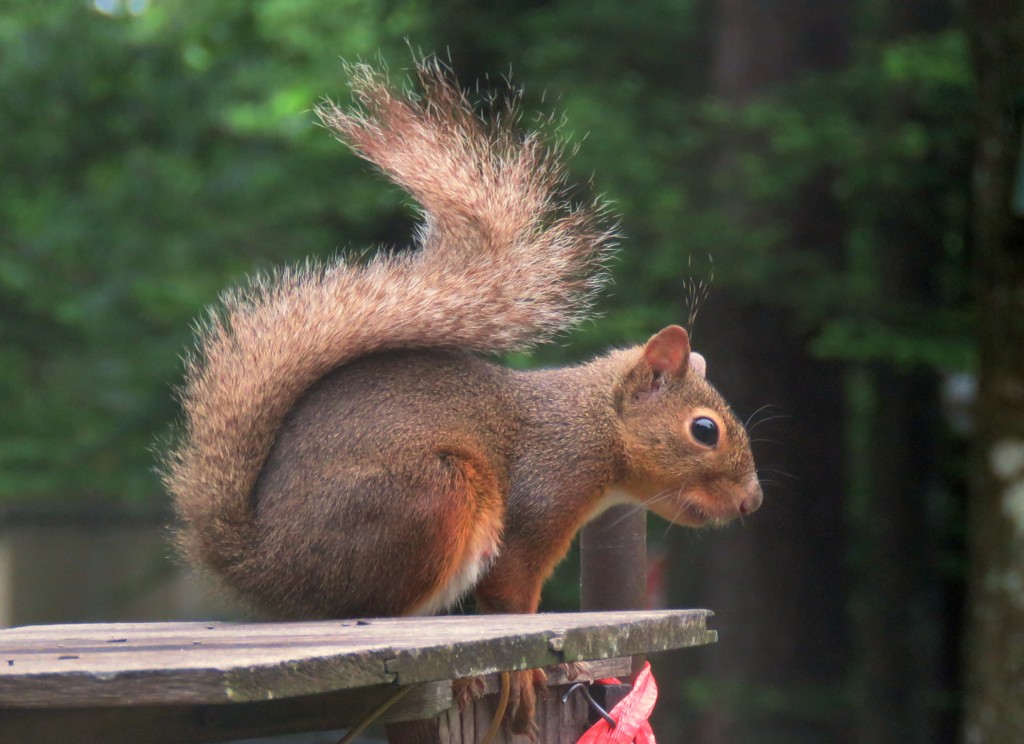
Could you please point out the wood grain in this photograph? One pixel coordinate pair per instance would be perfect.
(409, 720)
(65, 666)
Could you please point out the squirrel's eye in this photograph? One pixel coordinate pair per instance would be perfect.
(705, 431)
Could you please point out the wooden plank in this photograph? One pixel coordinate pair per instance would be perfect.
(547, 640)
(557, 722)
(212, 723)
(419, 732)
(637, 637)
(205, 663)
(174, 724)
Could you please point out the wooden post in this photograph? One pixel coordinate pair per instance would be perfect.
(613, 564)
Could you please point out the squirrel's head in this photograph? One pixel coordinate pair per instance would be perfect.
(687, 456)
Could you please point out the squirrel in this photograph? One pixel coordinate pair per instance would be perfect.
(347, 447)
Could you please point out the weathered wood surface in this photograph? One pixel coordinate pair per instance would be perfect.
(208, 663)
(198, 724)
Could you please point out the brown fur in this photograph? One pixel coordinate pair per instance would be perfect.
(503, 264)
(346, 452)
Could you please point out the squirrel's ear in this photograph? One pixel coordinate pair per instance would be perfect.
(668, 350)
(666, 353)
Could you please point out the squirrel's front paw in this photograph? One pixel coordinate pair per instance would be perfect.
(522, 701)
(575, 669)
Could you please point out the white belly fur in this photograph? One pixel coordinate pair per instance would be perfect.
(612, 497)
(485, 550)
(480, 557)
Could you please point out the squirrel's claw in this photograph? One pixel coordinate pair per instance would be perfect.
(466, 690)
(522, 705)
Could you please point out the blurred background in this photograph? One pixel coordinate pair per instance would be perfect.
(797, 174)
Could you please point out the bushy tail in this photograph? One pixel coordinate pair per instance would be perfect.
(504, 262)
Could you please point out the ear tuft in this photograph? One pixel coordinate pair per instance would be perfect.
(698, 364)
(668, 350)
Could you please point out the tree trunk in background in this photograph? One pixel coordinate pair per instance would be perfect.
(777, 581)
(995, 648)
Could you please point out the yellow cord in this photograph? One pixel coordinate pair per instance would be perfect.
(374, 715)
(506, 684)
(401, 692)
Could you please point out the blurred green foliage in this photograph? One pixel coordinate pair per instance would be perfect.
(154, 153)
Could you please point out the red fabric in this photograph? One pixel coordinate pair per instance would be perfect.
(631, 714)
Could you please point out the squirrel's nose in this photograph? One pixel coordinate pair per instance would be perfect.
(753, 498)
